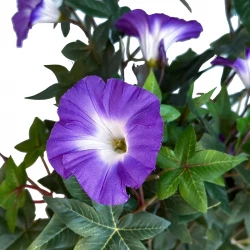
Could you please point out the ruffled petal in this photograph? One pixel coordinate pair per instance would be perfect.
(102, 183)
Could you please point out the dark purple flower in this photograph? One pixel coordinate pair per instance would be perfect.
(241, 66)
(153, 29)
(108, 136)
(31, 12)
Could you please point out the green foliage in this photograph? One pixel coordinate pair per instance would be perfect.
(36, 144)
(101, 227)
(12, 193)
(152, 85)
(189, 169)
(242, 8)
(54, 236)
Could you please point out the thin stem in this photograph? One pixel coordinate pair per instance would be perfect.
(79, 22)
(38, 201)
(161, 76)
(246, 106)
(127, 47)
(242, 242)
(227, 10)
(32, 182)
(146, 204)
(45, 165)
(141, 195)
(42, 191)
(131, 56)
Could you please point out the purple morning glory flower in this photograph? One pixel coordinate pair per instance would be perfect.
(31, 12)
(108, 136)
(241, 66)
(157, 32)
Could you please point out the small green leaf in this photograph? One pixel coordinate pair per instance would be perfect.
(101, 36)
(166, 159)
(210, 164)
(168, 183)
(152, 85)
(203, 99)
(76, 50)
(185, 3)
(61, 73)
(193, 191)
(65, 27)
(185, 145)
(169, 113)
(36, 144)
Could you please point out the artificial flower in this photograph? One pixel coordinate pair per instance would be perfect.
(241, 66)
(157, 32)
(31, 12)
(108, 136)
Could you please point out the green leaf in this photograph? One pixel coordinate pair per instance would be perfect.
(193, 191)
(152, 85)
(101, 36)
(76, 190)
(185, 145)
(185, 3)
(166, 159)
(180, 231)
(242, 8)
(61, 73)
(213, 239)
(231, 45)
(203, 99)
(218, 193)
(169, 113)
(54, 236)
(102, 229)
(65, 27)
(12, 193)
(223, 102)
(36, 144)
(92, 8)
(210, 164)
(76, 50)
(168, 183)
(54, 183)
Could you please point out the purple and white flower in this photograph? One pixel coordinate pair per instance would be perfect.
(31, 12)
(108, 136)
(241, 66)
(157, 32)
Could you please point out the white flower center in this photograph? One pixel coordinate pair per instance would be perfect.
(109, 141)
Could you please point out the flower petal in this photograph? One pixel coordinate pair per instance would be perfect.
(102, 183)
(93, 115)
(152, 29)
(21, 23)
(241, 67)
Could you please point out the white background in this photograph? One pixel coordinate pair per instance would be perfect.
(23, 74)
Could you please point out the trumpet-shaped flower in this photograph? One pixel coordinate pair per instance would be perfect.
(157, 32)
(108, 136)
(31, 12)
(241, 66)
